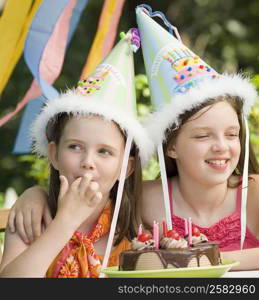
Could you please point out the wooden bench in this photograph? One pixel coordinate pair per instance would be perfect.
(3, 222)
(3, 218)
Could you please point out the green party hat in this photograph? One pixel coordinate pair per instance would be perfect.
(109, 91)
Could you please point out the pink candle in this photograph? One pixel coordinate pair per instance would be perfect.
(164, 229)
(185, 227)
(140, 230)
(190, 231)
(156, 235)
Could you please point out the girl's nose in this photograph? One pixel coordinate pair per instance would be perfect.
(220, 145)
(87, 161)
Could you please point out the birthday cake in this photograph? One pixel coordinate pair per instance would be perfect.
(173, 252)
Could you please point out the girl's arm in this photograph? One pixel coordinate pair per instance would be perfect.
(248, 258)
(76, 204)
(21, 260)
(30, 214)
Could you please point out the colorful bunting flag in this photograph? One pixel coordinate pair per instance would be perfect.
(14, 25)
(105, 36)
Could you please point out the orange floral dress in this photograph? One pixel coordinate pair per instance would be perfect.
(78, 258)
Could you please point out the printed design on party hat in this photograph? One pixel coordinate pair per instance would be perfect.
(115, 74)
(172, 55)
(189, 69)
(91, 84)
(94, 82)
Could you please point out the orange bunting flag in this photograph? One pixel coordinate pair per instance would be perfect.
(105, 36)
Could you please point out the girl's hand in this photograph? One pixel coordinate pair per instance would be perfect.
(79, 200)
(28, 214)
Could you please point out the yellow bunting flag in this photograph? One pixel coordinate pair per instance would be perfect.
(14, 25)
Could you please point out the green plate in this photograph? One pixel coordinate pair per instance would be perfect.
(213, 271)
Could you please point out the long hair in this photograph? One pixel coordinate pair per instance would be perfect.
(173, 131)
(129, 217)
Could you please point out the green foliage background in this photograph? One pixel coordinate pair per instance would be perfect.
(223, 33)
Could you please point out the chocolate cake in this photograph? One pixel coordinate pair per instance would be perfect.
(173, 252)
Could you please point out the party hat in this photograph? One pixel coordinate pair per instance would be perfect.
(109, 91)
(180, 81)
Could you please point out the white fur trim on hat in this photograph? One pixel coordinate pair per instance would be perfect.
(233, 85)
(72, 102)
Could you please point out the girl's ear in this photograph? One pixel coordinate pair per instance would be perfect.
(171, 152)
(52, 154)
(131, 166)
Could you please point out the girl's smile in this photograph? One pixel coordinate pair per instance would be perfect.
(217, 163)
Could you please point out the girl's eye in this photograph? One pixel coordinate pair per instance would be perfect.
(201, 136)
(105, 151)
(233, 134)
(74, 147)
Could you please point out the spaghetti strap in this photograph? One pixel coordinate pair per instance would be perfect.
(169, 183)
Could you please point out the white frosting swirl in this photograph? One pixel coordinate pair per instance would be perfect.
(199, 239)
(169, 243)
(138, 245)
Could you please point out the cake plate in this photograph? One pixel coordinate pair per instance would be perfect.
(196, 272)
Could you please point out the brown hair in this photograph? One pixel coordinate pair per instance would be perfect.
(173, 131)
(128, 218)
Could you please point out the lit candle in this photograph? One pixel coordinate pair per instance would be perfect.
(164, 228)
(190, 231)
(156, 235)
(185, 227)
(140, 230)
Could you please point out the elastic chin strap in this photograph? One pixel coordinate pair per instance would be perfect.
(244, 186)
(117, 204)
(164, 186)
